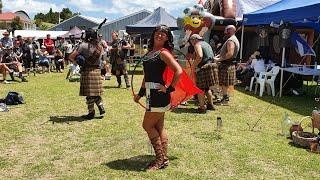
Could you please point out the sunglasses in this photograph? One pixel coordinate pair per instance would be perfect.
(163, 28)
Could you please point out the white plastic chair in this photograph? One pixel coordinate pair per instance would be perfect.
(270, 78)
(258, 67)
(261, 80)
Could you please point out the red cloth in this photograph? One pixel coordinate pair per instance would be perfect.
(184, 90)
(49, 45)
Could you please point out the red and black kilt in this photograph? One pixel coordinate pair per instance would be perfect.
(207, 76)
(91, 82)
(227, 74)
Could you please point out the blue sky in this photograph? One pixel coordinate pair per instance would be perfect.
(112, 9)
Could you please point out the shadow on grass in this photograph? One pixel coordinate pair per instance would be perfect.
(297, 146)
(110, 87)
(208, 136)
(180, 110)
(67, 119)
(302, 105)
(136, 163)
(136, 72)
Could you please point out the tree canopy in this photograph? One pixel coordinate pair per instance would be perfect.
(53, 17)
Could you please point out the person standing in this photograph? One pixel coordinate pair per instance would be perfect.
(227, 56)
(157, 93)
(90, 80)
(68, 50)
(206, 71)
(49, 44)
(118, 53)
(105, 70)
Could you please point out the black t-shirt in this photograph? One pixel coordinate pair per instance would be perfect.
(119, 43)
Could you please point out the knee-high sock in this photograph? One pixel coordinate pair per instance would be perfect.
(98, 101)
(126, 78)
(90, 103)
(119, 80)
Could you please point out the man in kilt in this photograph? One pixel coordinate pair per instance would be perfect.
(118, 52)
(206, 71)
(227, 56)
(90, 80)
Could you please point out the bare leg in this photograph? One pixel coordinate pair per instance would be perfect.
(201, 101)
(209, 97)
(224, 90)
(149, 123)
(160, 127)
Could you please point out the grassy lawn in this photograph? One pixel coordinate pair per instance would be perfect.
(45, 138)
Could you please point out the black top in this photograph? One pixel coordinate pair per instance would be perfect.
(154, 69)
(118, 43)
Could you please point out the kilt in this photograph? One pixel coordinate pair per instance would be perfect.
(227, 74)
(119, 65)
(91, 82)
(207, 76)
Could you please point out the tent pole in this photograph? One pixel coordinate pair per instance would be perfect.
(241, 46)
(140, 47)
(282, 66)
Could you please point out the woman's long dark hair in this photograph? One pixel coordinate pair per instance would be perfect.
(168, 44)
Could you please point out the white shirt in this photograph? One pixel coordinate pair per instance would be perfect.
(258, 65)
(69, 48)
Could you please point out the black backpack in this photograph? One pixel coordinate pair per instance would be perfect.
(14, 98)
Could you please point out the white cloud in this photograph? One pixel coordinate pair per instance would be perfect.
(126, 7)
(31, 6)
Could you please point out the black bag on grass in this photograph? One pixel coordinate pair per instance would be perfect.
(14, 98)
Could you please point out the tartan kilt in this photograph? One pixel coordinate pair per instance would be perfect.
(227, 74)
(91, 82)
(119, 66)
(207, 76)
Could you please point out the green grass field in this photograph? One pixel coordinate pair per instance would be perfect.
(46, 139)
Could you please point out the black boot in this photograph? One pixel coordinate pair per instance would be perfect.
(11, 75)
(119, 81)
(89, 116)
(101, 109)
(23, 79)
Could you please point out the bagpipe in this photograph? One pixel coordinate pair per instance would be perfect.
(90, 35)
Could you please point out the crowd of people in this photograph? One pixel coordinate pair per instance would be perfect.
(29, 54)
(25, 54)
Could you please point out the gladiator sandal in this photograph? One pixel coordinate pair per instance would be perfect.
(158, 163)
(165, 153)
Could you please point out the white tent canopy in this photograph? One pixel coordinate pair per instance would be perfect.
(39, 34)
(248, 6)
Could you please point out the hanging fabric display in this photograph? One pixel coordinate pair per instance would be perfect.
(285, 31)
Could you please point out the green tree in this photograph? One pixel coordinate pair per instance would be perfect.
(3, 25)
(17, 23)
(53, 17)
(65, 14)
(40, 16)
(38, 22)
